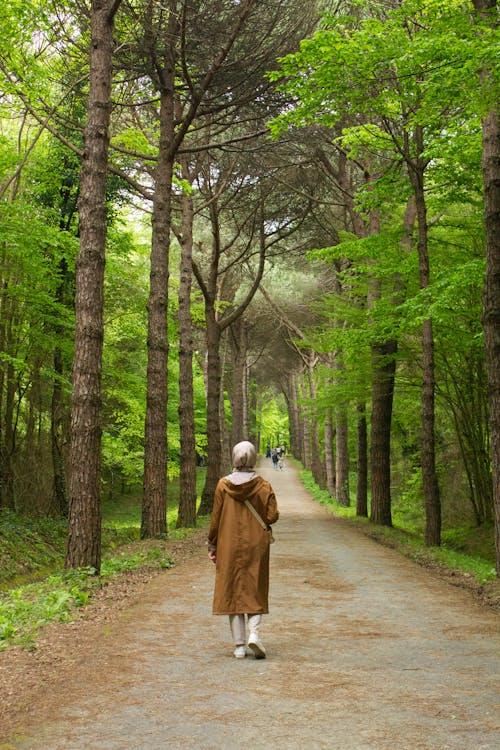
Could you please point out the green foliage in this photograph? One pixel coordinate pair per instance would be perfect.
(29, 548)
(27, 609)
(273, 426)
(23, 611)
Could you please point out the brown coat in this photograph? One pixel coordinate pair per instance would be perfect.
(242, 546)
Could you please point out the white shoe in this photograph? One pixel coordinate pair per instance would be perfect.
(240, 652)
(256, 645)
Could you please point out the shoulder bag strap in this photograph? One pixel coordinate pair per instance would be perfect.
(257, 516)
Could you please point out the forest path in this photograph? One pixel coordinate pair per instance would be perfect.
(366, 651)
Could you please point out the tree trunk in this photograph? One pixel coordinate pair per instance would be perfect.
(57, 411)
(384, 367)
(342, 456)
(154, 502)
(491, 292)
(187, 491)
(329, 456)
(239, 395)
(317, 465)
(84, 519)
(225, 437)
(213, 422)
(306, 425)
(7, 400)
(362, 464)
(294, 417)
(429, 473)
(252, 413)
(9, 437)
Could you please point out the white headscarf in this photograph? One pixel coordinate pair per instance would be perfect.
(244, 457)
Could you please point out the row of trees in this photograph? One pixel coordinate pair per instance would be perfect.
(177, 106)
(408, 92)
(191, 316)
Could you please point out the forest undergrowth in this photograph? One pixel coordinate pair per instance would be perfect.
(35, 589)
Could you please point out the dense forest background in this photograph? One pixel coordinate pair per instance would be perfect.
(274, 221)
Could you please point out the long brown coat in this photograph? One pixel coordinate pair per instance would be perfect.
(242, 546)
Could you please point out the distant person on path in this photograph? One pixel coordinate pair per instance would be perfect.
(275, 458)
(268, 451)
(239, 546)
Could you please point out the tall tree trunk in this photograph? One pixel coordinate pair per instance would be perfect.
(383, 371)
(154, 500)
(306, 424)
(362, 464)
(342, 458)
(329, 455)
(428, 453)
(187, 492)
(9, 441)
(253, 407)
(384, 367)
(84, 518)
(213, 423)
(239, 395)
(57, 411)
(225, 437)
(317, 464)
(60, 496)
(491, 292)
(7, 400)
(294, 417)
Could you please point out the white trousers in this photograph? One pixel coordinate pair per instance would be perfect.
(238, 629)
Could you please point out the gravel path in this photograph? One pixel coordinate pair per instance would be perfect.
(366, 651)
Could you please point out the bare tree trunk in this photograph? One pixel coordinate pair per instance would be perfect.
(342, 458)
(491, 291)
(57, 411)
(239, 396)
(362, 464)
(329, 456)
(317, 465)
(9, 441)
(60, 496)
(7, 399)
(306, 425)
(154, 501)
(154, 504)
(214, 447)
(84, 519)
(294, 417)
(428, 453)
(384, 367)
(225, 438)
(252, 413)
(187, 491)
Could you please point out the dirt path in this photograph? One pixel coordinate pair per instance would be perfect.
(366, 651)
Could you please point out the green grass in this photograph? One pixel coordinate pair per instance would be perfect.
(27, 609)
(34, 588)
(468, 550)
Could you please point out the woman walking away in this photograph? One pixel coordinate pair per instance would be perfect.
(238, 544)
